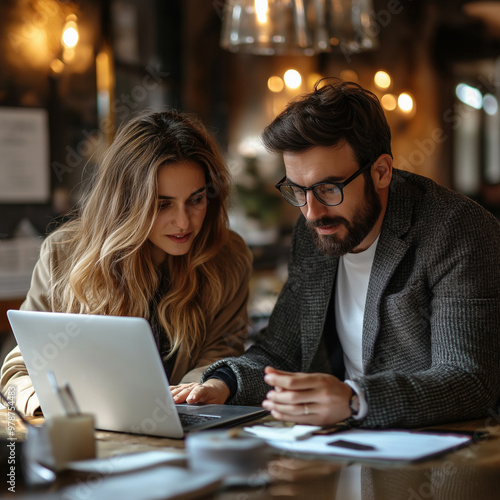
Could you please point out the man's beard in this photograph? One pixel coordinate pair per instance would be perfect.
(364, 220)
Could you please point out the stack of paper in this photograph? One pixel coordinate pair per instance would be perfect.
(397, 445)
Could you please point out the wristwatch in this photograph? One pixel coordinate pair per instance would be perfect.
(354, 403)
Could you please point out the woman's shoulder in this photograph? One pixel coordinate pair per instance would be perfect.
(61, 240)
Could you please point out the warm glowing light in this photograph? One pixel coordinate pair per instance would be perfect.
(275, 84)
(405, 102)
(389, 102)
(57, 66)
(261, 10)
(293, 80)
(382, 80)
(469, 95)
(68, 55)
(348, 75)
(103, 73)
(70, 35)
(312, 79)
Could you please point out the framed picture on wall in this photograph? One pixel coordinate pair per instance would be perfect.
(24, 155)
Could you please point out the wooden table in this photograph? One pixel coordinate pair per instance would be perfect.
(470, 473)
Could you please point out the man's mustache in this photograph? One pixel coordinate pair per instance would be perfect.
(327, 221)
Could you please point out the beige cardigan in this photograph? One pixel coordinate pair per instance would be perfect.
(225, 336)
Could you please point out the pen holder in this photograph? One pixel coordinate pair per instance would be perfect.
(69, 437)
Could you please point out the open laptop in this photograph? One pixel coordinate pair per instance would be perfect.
(115, 372)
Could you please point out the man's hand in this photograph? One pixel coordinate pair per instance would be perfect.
(213, 391)
(307, 398)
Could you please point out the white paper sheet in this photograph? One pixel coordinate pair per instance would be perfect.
(397, 445)
(282, 433)
(119, 464)
(24, 155)
(18, 257)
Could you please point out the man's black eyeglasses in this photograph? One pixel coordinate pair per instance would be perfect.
(327, 193)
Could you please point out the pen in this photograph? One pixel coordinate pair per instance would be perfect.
(340, 427)
(70, 396)
(351, 445)
(64, 395)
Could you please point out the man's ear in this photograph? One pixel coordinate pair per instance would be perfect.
(382, 171)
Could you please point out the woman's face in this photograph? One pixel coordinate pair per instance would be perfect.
(182, 206)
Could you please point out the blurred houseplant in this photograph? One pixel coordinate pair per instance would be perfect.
(260, 201)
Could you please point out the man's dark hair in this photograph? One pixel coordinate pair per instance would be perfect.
(334, 113)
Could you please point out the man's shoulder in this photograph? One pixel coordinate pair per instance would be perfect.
(428, 214)
(419, 187)
(432, 200)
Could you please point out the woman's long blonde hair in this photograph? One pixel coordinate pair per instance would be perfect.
(110, 269)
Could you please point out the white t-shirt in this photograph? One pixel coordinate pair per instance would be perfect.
(353, 275)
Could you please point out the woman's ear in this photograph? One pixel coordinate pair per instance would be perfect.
(382, 171)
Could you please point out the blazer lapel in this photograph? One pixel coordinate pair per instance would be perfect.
(317, 287)
(396, 224)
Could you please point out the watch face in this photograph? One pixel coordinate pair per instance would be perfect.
(354, 404)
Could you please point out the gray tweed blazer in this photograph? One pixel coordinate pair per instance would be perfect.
(431, 331)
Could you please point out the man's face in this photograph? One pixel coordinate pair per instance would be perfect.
(348, 227)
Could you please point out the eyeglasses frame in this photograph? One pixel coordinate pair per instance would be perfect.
(339, 185)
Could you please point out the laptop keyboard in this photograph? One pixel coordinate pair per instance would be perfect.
(188, 419)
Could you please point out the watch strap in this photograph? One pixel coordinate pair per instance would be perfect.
(354, 403)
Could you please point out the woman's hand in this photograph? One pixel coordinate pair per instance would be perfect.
(213, 391)
(307, 398)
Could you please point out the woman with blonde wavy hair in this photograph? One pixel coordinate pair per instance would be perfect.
(152, 240)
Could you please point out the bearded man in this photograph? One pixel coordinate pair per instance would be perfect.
(390, 316)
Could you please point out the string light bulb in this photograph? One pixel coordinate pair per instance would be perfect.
(405, 102)
(293, 80)
(389, 102)
(382, 79)
(275, 84)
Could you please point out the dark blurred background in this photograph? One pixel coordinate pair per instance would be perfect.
(434, 64)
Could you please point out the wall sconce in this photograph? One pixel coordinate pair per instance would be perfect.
(69, 38)
(70, 32)
(270, 27)
(69, 41)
